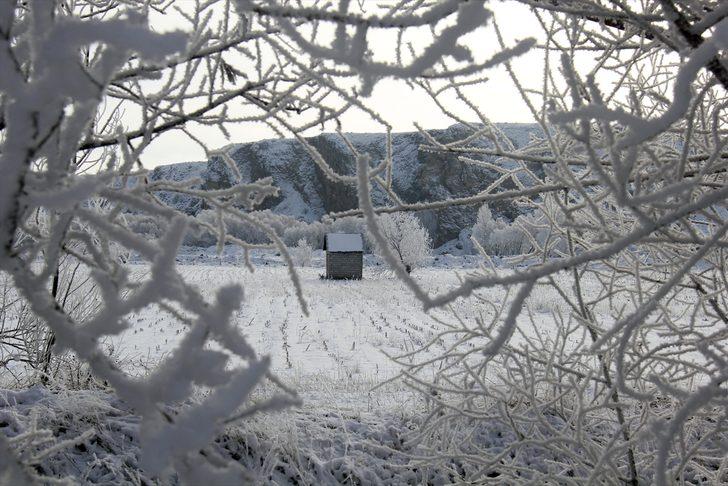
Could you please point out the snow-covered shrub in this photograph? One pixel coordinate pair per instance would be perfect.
(143, 225)
(205, 228)
(406, 238)
(542, 230)
(528, 233)
(277, 222)
(497, 236)
(629, 203)
(198, 235)
(346, 225)
(73, 168)
(313, 233)
(302, 253)
(208, 220)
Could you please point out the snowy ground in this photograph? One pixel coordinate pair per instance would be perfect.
(338, 353)
(311, 447)
(336, 356)
(333, 356)
(349, 429)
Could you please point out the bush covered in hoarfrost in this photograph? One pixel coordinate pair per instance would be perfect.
(496, 236)
(75, 187)
(404, 236)
(98, 437)
(528, 233)
(629, 201)
(626, 224)
(302, 253)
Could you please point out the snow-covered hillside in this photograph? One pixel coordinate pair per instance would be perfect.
(306, 194)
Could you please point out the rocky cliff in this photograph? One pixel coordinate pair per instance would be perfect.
(306, 194)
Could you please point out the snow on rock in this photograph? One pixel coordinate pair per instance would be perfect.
(307, 194)
(179, 172)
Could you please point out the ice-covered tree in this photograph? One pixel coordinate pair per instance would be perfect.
(496, 236)
(404, 237)
(629, 383)
(531, 233)
(302, 253)
(87, 87)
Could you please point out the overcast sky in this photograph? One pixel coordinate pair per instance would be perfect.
(394, 100)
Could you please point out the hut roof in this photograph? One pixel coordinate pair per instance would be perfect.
(343, 242)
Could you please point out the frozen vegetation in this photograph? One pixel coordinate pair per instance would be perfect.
(347, 429)
(357, 421)
(170, 326)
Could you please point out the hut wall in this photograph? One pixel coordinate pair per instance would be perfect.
(343, 265)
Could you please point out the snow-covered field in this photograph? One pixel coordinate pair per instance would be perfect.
(337, 355)
(353, 422)
(334, 355)
(348, 429)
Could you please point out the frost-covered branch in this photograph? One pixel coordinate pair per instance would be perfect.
(611, 358)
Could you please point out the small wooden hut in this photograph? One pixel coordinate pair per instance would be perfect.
(344, 255)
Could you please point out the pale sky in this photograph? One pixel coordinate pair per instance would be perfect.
(394, 100)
